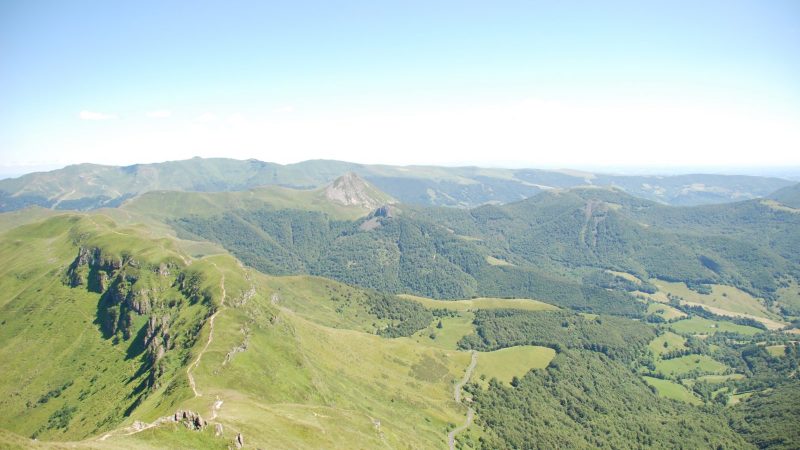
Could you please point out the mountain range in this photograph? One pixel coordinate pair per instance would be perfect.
(90, 186)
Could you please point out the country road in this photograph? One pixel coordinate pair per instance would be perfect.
(451, 436)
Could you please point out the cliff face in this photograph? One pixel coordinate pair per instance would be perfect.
(129, 290)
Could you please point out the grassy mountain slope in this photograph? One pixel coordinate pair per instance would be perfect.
(71, 286)
(89, 186)
(172, 204)
(103, 327)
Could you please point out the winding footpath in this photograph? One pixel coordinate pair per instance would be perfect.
(196, 362)
(451, 436)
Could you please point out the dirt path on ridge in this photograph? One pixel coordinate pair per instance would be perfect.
(196, 362)
(451, 436)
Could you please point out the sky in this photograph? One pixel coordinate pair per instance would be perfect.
(578, 84)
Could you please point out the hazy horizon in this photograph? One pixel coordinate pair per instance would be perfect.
(786, 172)
(617, 84)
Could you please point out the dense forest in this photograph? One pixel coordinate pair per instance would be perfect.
(620, 339)
(587, 400)
(592, 395)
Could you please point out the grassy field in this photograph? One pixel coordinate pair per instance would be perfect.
(776, 350)
(779, 206)
(725, 298)
(323, 301)
(673, 390)
(689, 363)
(736, 398)
(483, 303)
(699, 325)
(170, 204)
(672, 341)
(665, 311)
(505, 364)
(626, 276)
(658, 296)
(720, 378)
(447, 337)
(497, 262)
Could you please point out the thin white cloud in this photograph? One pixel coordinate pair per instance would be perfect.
(206, 117)
(584, 133)
(237, 119)
(160, 114)
(92, 115)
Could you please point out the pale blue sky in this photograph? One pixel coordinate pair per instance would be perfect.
(578, 84)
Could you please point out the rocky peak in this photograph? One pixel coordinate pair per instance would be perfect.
(352, 190)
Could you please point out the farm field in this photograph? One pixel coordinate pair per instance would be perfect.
(667, 342)
(701, 326)
(483, 303)
(776, 350)
(447, 337)
(720, 378)
(685, 364)
(673, 390)
(505, 364)
(665, 311)
(497, 261)
(626, 276)
(725, 298)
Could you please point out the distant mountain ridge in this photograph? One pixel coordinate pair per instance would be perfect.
(91, 186)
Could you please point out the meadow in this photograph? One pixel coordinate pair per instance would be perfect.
(673, 390)
(690, 363)
(702, 326)
(507, 363)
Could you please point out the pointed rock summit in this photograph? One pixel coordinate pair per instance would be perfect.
(352, 190)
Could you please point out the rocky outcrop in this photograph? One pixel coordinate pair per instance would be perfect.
(190, 284)
(376, 218)
(239, 441)
(191, 419)
(386, 211)
(239, 348)
(157, 341)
